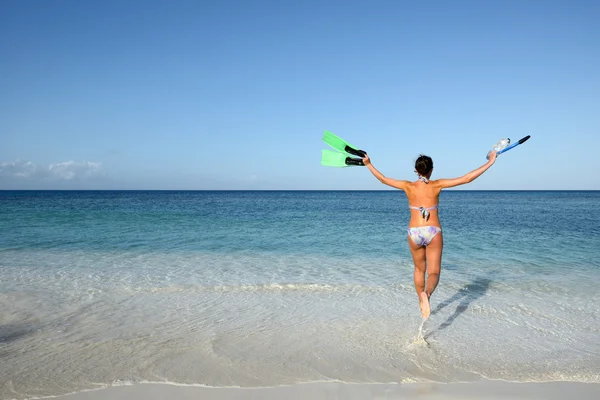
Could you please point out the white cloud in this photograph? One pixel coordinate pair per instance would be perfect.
(62, 171)
(70, 169)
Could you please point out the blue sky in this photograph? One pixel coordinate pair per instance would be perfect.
(236, 94)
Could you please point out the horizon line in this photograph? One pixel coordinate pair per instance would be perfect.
(290, 190)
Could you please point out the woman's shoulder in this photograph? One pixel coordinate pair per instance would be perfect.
(437, 184)
(420, 193)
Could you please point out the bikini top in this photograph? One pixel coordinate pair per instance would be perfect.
(424, 211)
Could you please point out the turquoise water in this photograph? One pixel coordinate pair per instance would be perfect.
(272, 288)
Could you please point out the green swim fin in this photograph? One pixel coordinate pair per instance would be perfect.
(341, 145)
(334, 159)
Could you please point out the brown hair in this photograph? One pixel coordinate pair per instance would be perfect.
(424, 165)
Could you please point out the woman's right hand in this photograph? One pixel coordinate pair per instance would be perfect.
(492, 156)
(366, 160)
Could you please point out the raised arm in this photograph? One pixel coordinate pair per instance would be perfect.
(470, 177)
(382, 178)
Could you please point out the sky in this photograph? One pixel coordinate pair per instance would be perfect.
(236, 95)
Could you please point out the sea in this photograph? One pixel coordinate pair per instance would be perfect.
(270, 288)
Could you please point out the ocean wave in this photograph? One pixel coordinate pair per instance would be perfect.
(270, 287)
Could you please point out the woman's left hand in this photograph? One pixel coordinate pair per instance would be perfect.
(366, 160)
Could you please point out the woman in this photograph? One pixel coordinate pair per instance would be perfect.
(425, 238)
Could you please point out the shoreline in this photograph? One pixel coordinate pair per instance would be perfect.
(482, 389)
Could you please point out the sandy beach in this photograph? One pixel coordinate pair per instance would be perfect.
(333, 390)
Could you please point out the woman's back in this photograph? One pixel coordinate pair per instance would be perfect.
(423, 196)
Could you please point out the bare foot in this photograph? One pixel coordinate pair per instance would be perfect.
(424, 300)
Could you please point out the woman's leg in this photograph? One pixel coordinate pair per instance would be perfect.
(419, 259)
(418, 255)
(433, 253)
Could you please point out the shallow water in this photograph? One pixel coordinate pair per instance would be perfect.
(271, 288)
